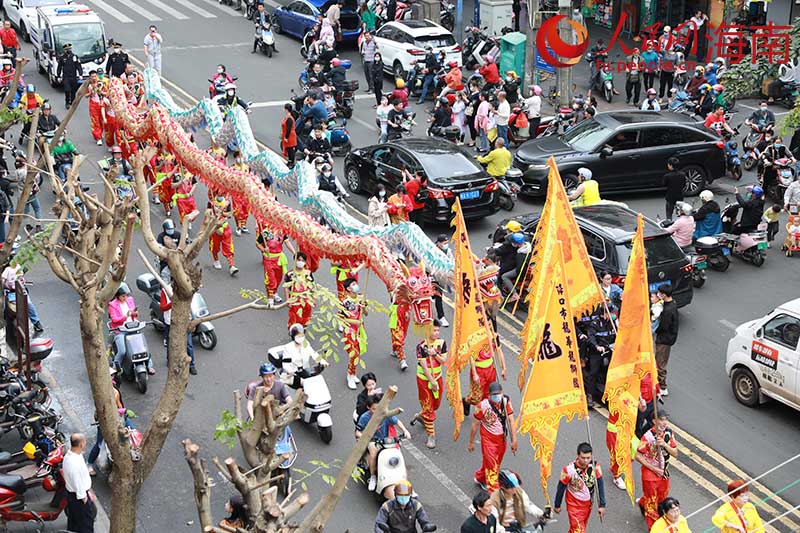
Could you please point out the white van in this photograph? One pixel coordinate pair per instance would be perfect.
(763, 358)
(75, 24)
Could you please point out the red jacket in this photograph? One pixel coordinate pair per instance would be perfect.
(400, 94)
(8, 37)
(490, 73)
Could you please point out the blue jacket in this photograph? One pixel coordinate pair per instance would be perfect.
(317, 112)
(650, 60)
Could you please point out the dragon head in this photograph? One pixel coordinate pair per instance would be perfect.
(417, 291)
(487, 282)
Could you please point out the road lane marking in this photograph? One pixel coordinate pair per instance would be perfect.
(728, 324)
(756, 109)
(437, 472)
(272, 3)
(164, 7)
(207, 46)
(226, 9)
(197, 9)
(114, 12)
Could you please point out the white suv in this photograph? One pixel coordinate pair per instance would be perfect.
(403, 42)
(22, 13)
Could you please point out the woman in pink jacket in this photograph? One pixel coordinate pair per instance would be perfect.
(122, 309)
(482, 123)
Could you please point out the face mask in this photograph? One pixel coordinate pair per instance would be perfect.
(355, 288)
(301, 264)
(496, 398)
(170, 232)
(743, 499)
(763, 109)
(220, 71)
(403, 500)
(508, 79)
(326, 174)
(381, 194)
(299, 339)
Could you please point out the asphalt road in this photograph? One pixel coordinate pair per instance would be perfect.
(722, 434)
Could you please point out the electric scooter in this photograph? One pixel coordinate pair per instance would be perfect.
(137, 354)
(266, 43)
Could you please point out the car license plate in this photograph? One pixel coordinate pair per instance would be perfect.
(726, 251)
(700, 265)
(654, 286)
(763, 245)
(469, 195)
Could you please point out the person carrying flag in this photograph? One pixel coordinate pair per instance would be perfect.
(579, 480)
(431, 358)
(495, 417)
(354, 309)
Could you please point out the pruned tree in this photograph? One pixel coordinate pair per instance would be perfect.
(266, 513)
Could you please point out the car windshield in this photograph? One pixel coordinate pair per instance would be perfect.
(658, 250)
(87, 39)
(436, 41)
(586, 136)
(447, 165)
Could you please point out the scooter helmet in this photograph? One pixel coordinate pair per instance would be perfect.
(453, 64)
(31, 88)
(699, 68)
(230, 86)
(123, 289)
(513, 226)
(326, 167)
(168, 226)
(651, 92)
(5, 63)
(720, 61)
(719, 87)
(400, 84)
(757, 191)
(30, 450)
(116, 149)
(336, 62)
(295, 330)
(678, 48)
(517, 238)
(705, 88)
(267, 368)
(585, 173)
(403, 486)
(488, 58)
(508, 479)
(706, 196)
(443, 100)
(536, 90)
(686, 208)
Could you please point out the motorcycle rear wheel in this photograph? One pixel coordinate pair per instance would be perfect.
(141, 381)
(207, 339)
(609, 94)
(749, 163)
(757, 259)
(326, 434)
(720, 263)
(698, 281)
(736, 172)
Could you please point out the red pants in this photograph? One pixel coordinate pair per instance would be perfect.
(655, 490)
(165, 192)
(493, 448)
(486, 376)
(400, 331)
(353, 348)
(111, 130)
(240, 213)
(299, 314)
(273, 274)
(429, 402)
(611, 444)
(186, 206)
(222, 242)
(578, 512)
(341, 292)
(96, 119)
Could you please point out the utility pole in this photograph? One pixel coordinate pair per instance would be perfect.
(530, 44)
(459, 23)
(565, 73)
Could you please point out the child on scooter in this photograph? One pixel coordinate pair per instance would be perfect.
(387, 429)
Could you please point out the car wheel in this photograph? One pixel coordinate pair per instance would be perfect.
(354, 181)
(39, 64)
(745, 387)
(24, 32)
(276, 25)
(397, 69)
(570, 183)
(695, 180)
(749, 163)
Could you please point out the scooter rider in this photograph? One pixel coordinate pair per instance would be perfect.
(651, 102)
(442, 117)
(401, 514)
(777, 150)
(512, 504)
(588, 191)
(328, 181)
(682, 229)
(337, 75)
(123, 309)
(261, 19)
(752, 208)
(707, 218)
(792, 195)
(318, 145)
(600, 59)
(762, 119)
(231, 100)
(303, 360)
(271, 383)
(388, 428)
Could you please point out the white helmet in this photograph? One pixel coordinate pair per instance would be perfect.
(686, 208)
(585, 173)
(706, 196)
(720, 61)
(230, 87)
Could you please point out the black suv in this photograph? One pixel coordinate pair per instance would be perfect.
(451, 171)
(608, 230)
(626, 151)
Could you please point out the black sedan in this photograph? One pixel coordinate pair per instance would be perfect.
(451, 171)
(626, 151)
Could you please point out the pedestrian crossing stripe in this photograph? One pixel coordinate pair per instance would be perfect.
(159, 5)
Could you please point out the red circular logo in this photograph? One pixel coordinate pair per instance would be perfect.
(547, 38)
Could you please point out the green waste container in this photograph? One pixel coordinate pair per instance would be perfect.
(512, 53)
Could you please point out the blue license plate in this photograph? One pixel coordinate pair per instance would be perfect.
(654, 286)
(726, 251)
(469, 195)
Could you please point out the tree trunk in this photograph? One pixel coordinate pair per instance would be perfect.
(124, 500)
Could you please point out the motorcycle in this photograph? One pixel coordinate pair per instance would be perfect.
(205, 334)
(13, 504)
(754, 137)
(345, 96)
(137, 355)
(135, 438)
(317, 407)
(518, 125)
(508, 188)
(603, 81)
(751, 158)
(751, 247)
(217, 85)
(340, 137)
(699, 266)
(715, 253)
(266, 42)
(786, 173)
(249, 11)
(449, 133)
(733, 162)
(426, 529)
(391, 466)
(682, 103)
(415, 78)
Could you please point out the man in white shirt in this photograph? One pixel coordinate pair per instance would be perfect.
(81, 510)
(152, 49)
(534, 105)
(503, 113)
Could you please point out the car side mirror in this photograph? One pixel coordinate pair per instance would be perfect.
(760, 333)
(606, 151)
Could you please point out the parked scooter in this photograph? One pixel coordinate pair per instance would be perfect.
(135, 438)
(266, 43)
(519, 128)
(205, 334)
(13, 504)
(318, 404)
(137, 354)
(733, 161)
(715, 253)
(508, 188)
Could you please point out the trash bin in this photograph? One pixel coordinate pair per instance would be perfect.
(512, 53)
(496, 15)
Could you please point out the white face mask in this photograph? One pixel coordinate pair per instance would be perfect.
(326, 174)
(301, 264)
(381, 194)
(299, 339)
(355, 288)
(220, 71)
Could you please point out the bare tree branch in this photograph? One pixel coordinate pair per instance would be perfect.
(228, 312)
(202, 485)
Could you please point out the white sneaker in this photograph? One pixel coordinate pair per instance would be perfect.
(156, 201)
(99, 142)
(403, 365)
(620, 483)
(278, 299)
(234, 270)
(245, 230)
(271, 302)
(217, 265)
(238, 232)
(372, 483)
(443, 321)
(352, 383)
(664, 392)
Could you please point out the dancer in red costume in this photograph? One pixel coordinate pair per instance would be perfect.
(495, 417)
(431, 358)
(578, 481)
(658, 445)
(299, 287)
(354, 309)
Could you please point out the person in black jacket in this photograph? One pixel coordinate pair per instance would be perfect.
(317, 144)
(117, 61)
(432, 67)
(337, 76)
(48, 122)
(507, 256)
(442, 118)
(752, 209)
(376, 73)
(5, 210)
(70, 70)
(666, 334)
(675, 182)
